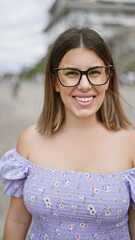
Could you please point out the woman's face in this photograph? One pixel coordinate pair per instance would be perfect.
(85, 99)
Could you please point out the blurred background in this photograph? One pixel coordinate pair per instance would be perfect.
(26, 30)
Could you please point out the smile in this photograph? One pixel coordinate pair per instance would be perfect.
(86, 99)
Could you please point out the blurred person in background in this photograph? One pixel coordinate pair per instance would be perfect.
(15, 88)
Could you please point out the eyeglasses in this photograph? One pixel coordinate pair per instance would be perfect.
(70, 77)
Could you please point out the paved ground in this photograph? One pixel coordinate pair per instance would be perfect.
(15, 117)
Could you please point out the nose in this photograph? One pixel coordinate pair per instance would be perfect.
(84, 83)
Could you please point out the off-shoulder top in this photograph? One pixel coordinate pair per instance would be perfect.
(67, 204)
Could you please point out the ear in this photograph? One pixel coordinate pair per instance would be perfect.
(107, 84)
(55, 83)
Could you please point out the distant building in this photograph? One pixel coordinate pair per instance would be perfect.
(108, 17)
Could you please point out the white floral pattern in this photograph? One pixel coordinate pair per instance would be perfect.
(67, 204)
(47, 202)
(91, 210)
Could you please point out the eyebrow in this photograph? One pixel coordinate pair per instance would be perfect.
(74, 68)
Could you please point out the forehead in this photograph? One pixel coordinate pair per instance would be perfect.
(80, 58)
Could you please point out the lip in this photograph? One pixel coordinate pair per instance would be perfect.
(84, 96)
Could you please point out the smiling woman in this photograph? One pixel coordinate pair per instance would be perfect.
(59, 56)
(72, 174)
(86, 88)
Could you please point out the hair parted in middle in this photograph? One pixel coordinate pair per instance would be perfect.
(53, 113)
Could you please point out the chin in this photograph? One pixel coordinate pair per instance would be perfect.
(85, 115)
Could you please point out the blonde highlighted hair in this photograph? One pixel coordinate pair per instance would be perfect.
(52, 116)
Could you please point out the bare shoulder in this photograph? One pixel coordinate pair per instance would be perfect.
(128, 134)
(131, 143)
(25, 141)
(125, 138)
(131, 134)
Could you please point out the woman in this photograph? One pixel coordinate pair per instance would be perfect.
(73, 173)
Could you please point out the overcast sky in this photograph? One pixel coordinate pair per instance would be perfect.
(22, 42)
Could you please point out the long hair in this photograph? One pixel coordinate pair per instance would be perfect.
(53, 114)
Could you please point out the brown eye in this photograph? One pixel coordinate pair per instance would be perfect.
(71, 73)
(94, 72)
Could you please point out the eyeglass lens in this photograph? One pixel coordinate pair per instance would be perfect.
(71, 77)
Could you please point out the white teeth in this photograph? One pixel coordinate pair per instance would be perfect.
(87, 99)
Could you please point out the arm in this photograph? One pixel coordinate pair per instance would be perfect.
(131, 223)
(18, 220)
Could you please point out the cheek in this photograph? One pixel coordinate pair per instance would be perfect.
(64, 95)
(101, 90)
(101, 94)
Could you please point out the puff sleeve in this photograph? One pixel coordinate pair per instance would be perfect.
(14, 170)
(131, 181)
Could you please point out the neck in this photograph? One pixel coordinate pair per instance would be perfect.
(74, 124)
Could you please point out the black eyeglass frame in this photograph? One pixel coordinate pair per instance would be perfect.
(108, 67)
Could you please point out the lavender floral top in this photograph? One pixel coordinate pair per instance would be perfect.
(70, 205)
